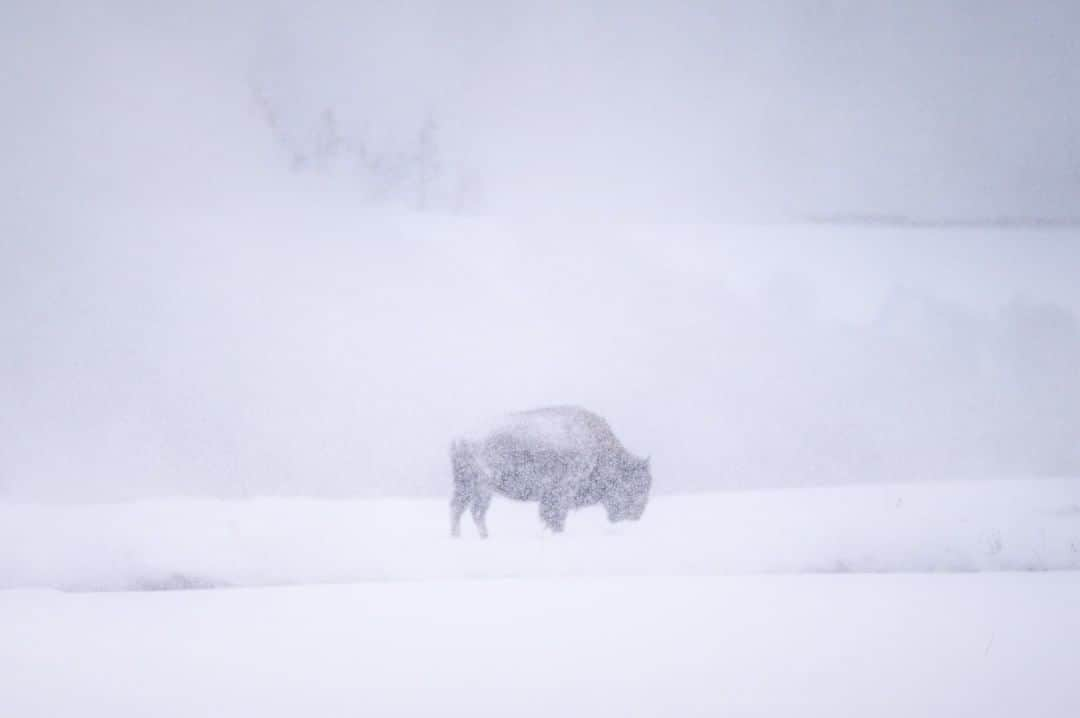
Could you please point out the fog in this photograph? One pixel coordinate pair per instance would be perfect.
(283, 249)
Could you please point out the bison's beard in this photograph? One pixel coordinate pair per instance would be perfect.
(625, 508)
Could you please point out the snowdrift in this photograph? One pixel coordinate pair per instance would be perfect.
(935, 527)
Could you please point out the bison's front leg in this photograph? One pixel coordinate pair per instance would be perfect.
(553, 512)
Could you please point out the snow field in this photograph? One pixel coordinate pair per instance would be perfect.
(988, 645)
(932, 527)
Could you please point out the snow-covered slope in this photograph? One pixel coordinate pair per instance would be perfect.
(938, 527)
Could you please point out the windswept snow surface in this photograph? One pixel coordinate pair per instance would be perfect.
(987, 645)
(632, 620)
(933, 527)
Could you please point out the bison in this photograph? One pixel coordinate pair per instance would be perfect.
(561, 457)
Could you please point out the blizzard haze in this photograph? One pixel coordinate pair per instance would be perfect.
(275, 249)
(703, 110)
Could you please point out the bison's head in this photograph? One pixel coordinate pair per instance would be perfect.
(627, 496)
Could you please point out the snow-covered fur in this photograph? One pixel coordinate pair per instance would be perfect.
(562, 457)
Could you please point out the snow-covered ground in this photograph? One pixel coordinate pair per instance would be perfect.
(931, 527)
(986, 645)
(631, 620)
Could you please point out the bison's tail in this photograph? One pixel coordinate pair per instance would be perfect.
(461, 462)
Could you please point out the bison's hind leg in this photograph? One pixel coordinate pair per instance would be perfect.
(470, 489)
(481, 502)
(458, 502)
